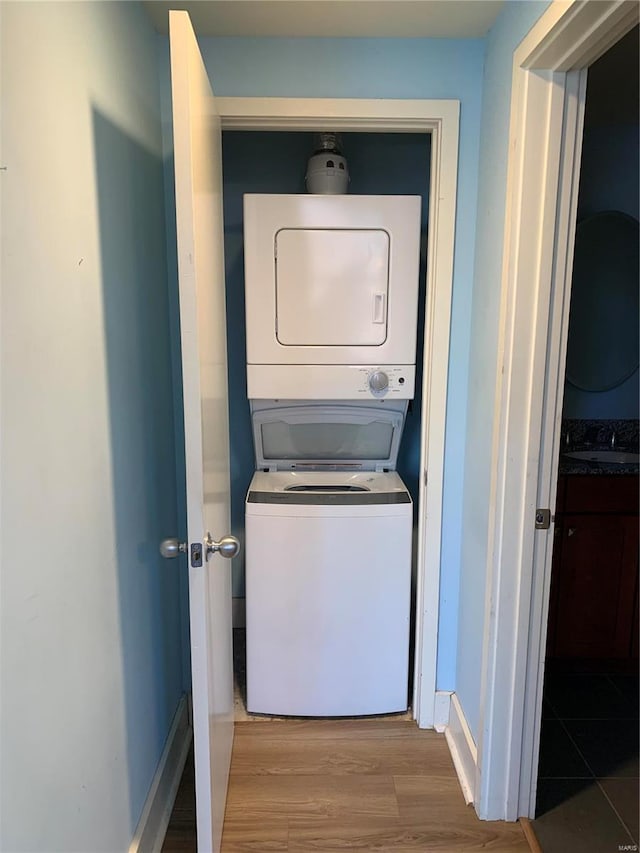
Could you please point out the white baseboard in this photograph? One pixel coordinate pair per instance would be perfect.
(463, 749)
(154, 820)
(441, 710)
(238, 619)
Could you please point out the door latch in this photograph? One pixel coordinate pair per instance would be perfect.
(543, 519)
(196, 555)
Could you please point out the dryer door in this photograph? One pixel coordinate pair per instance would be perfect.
(332, 286)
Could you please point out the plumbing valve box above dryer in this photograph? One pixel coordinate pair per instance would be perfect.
(331, 281)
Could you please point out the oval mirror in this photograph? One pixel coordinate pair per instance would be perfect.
(602, 349)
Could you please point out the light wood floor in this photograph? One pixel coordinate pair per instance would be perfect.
(328, 786)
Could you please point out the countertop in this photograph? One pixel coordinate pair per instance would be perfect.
(576, 466)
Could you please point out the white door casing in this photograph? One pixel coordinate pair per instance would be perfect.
(441, 119)
(199, 223)
(547, 108)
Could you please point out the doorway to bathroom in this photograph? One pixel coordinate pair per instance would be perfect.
(548, 91)
(588, 770)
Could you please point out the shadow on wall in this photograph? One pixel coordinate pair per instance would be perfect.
(136, 312)
(181, 564)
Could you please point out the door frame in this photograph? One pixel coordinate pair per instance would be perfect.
(440, 118)
(545, 137)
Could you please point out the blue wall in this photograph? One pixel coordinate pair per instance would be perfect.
(91, 672)
(512, 25)
(276, 163)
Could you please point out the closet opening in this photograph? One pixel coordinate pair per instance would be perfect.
(275, 162)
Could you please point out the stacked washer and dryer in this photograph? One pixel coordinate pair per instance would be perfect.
(331, 315)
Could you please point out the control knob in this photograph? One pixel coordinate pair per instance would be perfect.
(378, 381)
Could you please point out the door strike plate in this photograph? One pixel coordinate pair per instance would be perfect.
(196, 555)
(543, 519)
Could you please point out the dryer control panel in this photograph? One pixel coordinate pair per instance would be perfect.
(330, 381)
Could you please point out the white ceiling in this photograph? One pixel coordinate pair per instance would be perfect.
(333, 18)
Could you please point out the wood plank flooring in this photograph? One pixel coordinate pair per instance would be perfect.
(325, 786)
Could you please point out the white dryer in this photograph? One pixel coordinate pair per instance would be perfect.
(331, 285)
(328, 560)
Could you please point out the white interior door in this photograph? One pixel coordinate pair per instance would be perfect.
(198, 178)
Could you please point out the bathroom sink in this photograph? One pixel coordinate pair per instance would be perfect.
(609, 457)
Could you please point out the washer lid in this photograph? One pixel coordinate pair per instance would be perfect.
(327, 437)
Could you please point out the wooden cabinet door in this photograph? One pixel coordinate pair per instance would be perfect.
(596, 586)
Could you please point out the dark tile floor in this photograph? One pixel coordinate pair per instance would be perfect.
(588, 774)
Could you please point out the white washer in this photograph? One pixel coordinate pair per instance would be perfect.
(328, 561)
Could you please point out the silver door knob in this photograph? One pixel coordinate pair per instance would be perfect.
(227, 547)
(171, 548)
